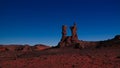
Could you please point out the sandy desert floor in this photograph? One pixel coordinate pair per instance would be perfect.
(106, 57)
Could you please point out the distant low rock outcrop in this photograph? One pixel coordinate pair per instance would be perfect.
(23, 48)
(13, 47)
(39, 47)
(27, 48)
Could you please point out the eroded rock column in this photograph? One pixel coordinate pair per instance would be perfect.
(64, 32)
(74, 32)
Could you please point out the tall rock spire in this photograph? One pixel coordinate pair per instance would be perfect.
(68, 40)
(74, 32)
(64, 32)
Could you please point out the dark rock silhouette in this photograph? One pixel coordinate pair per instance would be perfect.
(117, 37)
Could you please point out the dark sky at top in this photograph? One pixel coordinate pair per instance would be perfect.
(40, 21)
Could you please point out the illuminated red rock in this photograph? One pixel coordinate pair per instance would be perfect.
(27, 48)
(68, 40)
(40, 47)
(74, 36)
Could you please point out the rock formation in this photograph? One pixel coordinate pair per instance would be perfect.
(23, 48)
(64, 32)
(39, 47)
(68, 40)
(73, 41)
(27, 48)
(74, 33)
(117, 37)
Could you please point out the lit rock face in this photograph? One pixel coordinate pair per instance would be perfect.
(27, 48)
(39, 47)
(73, 41)
(74, 33)
(68, 40)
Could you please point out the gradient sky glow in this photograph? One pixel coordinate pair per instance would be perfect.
(39, 21)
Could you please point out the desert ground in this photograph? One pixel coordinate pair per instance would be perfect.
(67, 57)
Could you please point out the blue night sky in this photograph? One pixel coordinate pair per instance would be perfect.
(39, 21)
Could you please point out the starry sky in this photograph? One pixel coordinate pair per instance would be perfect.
(39, 21)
